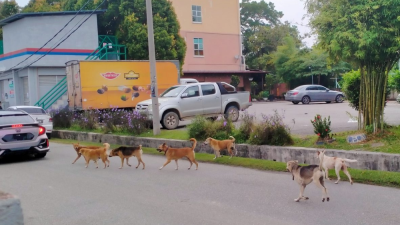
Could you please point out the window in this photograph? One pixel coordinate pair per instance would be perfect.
(196, 13)
(312, 88)
(198, 46)
(208, 89)
(33, 110)
(172, 91)
(191, 92)
(15, 119)
(321, 88)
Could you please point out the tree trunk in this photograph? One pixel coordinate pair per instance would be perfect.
(372, 96)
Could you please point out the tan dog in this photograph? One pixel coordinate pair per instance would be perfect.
(218, 145)
(125, 152)
(77, 147)
(304, 175)
(178, 153)
(338, 164)
(95, 154)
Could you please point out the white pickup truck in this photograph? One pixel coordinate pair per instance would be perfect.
(209, 99)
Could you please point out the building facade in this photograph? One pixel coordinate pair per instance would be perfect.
(24, 81)
(212, 31)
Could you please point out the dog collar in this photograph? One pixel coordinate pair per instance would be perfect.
(166, 151)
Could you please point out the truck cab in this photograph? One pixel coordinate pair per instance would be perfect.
(209, 99)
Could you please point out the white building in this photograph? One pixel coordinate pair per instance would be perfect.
(25, 33)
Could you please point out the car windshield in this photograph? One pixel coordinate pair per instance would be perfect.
(15, 119)
(33, 110)
(172, 91)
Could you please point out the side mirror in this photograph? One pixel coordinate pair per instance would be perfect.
(327, 90)
(184, 95)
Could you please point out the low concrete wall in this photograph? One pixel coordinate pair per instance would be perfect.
(366, 160)
(10, 210)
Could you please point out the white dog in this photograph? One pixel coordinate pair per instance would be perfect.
(334, 163)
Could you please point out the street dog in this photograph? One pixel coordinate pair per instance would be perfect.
(304, 175)
(336, 163)
(178, 153)
(125, 152)
(95, 154)
(218, 145)
(77, 147)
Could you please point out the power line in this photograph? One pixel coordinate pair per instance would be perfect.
(64, 38)
(52, 37)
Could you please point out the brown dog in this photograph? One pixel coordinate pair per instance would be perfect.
(125, 152)
(178, 153)
(304, 175)
(218, 145)
(95, 154)
(77, 147)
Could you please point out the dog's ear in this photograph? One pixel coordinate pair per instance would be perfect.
(297, 161)
(164, 144)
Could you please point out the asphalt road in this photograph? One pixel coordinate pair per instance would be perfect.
(55, 192)
(298, 117)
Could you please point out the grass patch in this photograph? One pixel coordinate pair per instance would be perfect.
(381, 178)
(389, 142)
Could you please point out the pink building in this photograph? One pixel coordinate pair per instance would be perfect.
(211, 29)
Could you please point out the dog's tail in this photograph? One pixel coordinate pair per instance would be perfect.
(349, 160)
(194, 143)
(232, 138)
(234, 144)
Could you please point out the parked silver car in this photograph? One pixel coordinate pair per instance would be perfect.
(21, 134)
(398, 98)
(313, 93)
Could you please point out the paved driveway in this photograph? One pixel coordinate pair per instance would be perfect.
(55, 192)
(298, 117)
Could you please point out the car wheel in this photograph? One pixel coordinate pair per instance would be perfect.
(295, 103)
(339, 99)
(170, 120)
(305, 100)
(328, 102)
(41, 155)
(232, 113)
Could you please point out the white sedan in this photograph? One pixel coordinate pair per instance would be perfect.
(39, 114)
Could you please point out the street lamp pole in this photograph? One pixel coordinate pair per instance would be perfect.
(153, 72)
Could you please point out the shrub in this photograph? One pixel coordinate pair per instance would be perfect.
(235, 81)
(271, 131)
(245, 128)
(62, 119)
(322, 128)
(201, 128)
(87, 120)
(351, 88)
(133, 122)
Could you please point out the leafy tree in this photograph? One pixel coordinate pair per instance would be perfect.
(43, 6)
(394, 80)
(365, 33)
(253, 16)
(351, 88)
(132, 31)
(235, 81)
(8, 8)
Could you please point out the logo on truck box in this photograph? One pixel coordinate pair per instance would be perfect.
(110, 75)
(131, 75)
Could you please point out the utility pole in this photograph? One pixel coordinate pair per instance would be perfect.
(153, 71)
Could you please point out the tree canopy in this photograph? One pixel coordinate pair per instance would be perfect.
(7, 8)
(365, 33)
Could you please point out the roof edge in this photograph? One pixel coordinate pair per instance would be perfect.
(19, 16)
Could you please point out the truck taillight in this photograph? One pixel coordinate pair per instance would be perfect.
(42, 130)
(51, 120)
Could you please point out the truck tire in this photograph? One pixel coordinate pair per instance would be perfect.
(170, 120)
(232, 113)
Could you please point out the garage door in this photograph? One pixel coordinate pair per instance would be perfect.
(46, 83)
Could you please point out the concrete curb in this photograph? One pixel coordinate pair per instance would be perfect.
(365, 160)
(10, 210)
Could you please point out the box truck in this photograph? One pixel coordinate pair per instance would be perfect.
(106, 84)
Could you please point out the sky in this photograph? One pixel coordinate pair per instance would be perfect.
(293, 11)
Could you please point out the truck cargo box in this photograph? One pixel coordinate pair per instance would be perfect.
(106, 84)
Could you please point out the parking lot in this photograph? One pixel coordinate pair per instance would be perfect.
(298, 117)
